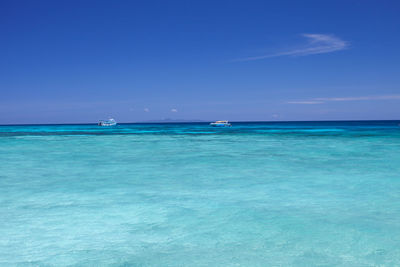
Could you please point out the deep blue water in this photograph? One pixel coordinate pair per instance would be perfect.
(255, 194)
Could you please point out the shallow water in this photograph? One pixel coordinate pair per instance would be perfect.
(255, 194)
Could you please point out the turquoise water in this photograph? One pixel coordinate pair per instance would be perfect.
(255, 194)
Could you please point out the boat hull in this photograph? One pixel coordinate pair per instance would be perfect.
(107, 124)
(220, 125)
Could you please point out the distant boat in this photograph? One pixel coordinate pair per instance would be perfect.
(221, 124)
(109, 122)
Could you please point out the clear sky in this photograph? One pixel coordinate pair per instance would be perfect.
(81, 61)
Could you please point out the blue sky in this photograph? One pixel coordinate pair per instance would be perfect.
(81, 61)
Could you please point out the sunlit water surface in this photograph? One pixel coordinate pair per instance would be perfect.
(255, 194)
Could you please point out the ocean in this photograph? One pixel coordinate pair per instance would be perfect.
(187, 194)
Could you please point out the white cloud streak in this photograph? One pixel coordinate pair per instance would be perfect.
(322, 100)
(305, 102)
(360, 98)
(174, 110)
(317, 44)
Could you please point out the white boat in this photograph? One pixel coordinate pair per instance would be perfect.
(109, 122)
(221, 124)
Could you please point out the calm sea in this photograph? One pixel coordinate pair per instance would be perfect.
(255, 194)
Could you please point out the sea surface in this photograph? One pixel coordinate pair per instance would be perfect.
(255, 194)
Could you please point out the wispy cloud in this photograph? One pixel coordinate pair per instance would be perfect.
(316, 44)
(146, 110)
(360, 98)
(305, 102)
(174, 110)
(322, 100)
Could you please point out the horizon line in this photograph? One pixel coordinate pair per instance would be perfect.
(183, 122)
